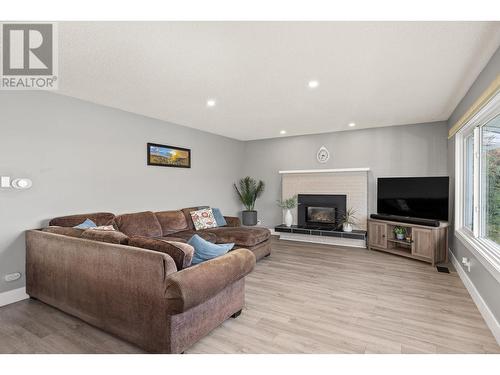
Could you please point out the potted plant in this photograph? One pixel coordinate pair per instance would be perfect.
(400, 232)
(288, 204)
(248, 190)
(348, 219)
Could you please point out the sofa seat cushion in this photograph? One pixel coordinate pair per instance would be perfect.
(172, 238)
(242, 236)
(180, 252)
(139, 224)
(187, 234)
(99, 218)
(110, 236)
(172, 221)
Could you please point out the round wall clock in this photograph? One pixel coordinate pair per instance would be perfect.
(323, 155)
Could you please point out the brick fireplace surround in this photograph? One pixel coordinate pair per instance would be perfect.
(352, 182)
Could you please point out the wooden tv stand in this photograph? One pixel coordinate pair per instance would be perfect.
(428, 244)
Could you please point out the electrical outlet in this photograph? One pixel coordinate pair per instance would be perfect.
(466, 263)
(12, 277)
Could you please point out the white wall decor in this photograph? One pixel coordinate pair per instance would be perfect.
(323, 155)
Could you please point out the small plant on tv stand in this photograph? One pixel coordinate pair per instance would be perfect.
(400, 232)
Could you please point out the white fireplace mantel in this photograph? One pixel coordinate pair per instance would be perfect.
(338, 170)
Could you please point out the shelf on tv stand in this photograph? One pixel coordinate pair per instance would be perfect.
(402, 242)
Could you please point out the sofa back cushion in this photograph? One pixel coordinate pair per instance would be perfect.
(139, 224)
(99, 218)
(65, 231)
(172, 221)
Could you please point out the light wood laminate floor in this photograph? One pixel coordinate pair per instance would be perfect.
(305, 298)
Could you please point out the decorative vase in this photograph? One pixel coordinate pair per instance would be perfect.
(249, 218)
(400, 236)
(346, 227)
(288, 218)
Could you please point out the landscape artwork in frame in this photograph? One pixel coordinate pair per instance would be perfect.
(168, 156)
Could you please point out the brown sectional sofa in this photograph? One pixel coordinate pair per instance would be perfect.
(177, 225)
(135, 284)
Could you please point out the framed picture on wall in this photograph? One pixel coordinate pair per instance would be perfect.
(168, 156)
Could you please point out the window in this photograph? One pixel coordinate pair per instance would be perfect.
(477, 197)
(490, 179)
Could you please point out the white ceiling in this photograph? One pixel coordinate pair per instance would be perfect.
(371, 73)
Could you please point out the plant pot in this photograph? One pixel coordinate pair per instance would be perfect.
(347, 227)
(400, 236)
(288, 218)
(249, 218)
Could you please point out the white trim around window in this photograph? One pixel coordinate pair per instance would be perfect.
(485, 250)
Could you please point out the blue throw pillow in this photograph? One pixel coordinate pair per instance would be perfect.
(204, 250)
(86, 224)
(219, 218)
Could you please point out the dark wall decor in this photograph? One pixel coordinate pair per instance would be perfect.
(168, 156)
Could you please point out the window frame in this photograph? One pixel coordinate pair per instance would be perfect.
(486, 251)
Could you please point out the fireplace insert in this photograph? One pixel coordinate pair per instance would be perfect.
(321, 215)
(320, 210)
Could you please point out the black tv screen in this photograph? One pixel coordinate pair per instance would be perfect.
(422, 197)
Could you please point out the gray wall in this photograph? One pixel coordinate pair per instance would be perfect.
(485, 283)
(83, 157)
(410, 150)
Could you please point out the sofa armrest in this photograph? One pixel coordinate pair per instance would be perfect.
(194, 285)
(232, 221)
(182, 256)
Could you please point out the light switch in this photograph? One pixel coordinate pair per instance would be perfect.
(4, 182)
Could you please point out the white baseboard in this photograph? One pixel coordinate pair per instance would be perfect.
(485, 311)
(11, 296)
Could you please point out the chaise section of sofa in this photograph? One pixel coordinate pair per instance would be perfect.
(135, 293)
(177, 225)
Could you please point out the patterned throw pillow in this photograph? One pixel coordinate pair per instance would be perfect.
(203, 219)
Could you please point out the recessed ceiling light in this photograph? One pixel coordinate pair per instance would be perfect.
(313, 84)
(282, 131)
(211, 103)
(352, 124)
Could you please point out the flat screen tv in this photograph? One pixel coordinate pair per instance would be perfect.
(421, 197)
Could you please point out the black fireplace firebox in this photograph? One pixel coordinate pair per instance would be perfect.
(319, 211)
